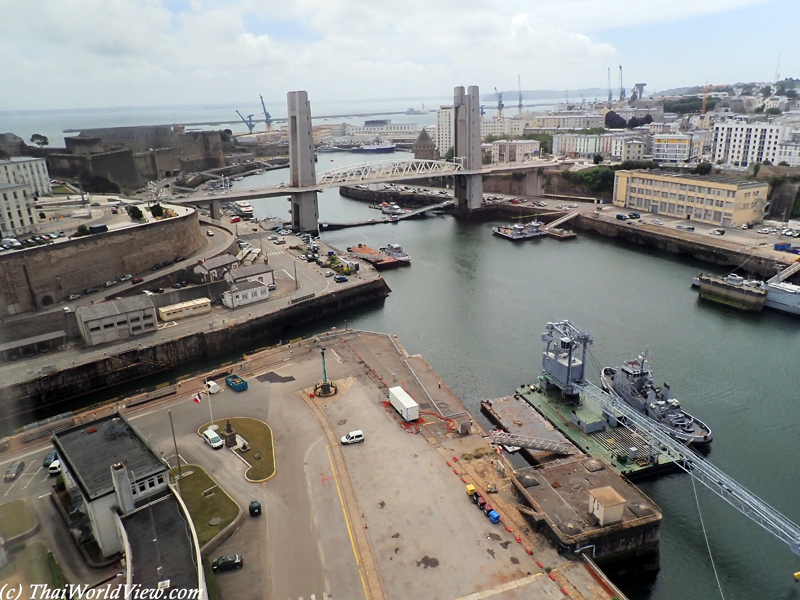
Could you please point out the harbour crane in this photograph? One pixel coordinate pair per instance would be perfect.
(610, 95)
(622, 95)
(267, 116)
(500, 104)
(519, 85)
(248, 121)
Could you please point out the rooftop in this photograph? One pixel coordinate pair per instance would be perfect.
(722, 179)
(19, 159)
(247, 285)
(222, 260)
(159, 537)
(90, 449)
(114, 307)
(250, 271)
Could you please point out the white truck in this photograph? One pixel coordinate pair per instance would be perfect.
(404, 404)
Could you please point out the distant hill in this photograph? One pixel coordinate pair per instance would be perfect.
(513, 95)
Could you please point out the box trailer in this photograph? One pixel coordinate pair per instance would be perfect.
(404, 404)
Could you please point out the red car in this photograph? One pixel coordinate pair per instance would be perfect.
(235, 219)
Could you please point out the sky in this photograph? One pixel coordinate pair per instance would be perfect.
(108, 53)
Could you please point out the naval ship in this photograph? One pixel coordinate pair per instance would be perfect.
(633, 383)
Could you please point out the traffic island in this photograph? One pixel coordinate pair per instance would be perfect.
(30, 564)
(207, 502)
(251, 440)
(17, 521)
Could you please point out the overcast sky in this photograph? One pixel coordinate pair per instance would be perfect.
(94, 53)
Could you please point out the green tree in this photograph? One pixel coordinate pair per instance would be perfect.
(135, 213)
(451, 154)
(40, 140)
(772, 111)
(704, 168)
(81, 231)
(614, 121)
(97, 184)
(783, 163)
(157, 210)
(766, 91)
(486, 159)
(791, 94)
(597, 159)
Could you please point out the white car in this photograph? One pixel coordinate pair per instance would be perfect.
(212, 439)
(354, 437)
(657, 222)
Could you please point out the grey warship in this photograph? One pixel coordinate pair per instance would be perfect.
(633, 383)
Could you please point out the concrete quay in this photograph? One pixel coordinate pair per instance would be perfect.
(388, 518)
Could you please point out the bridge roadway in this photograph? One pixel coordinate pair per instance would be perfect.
(276, 191)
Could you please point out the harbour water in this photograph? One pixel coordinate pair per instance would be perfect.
(474, 306)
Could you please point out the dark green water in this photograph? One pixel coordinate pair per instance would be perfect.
(475, 305)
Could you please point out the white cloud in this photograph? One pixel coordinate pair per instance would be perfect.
(77, 53)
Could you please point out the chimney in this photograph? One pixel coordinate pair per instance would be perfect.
(122, 487)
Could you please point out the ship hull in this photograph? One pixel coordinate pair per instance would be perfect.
(742, 297)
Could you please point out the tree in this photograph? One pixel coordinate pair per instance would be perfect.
(704, 168)
(40, 140)
(791, 94)
(135, 213)
(97, 184)
(614, 121)
(766, 91)
(81, 231)
(157, 210)
(486, 159)
(783, 163)
(772, 111)
(597, 159)
(451, 153)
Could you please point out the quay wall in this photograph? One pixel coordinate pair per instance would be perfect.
(203, 342)
(390, 196)
(42, 276)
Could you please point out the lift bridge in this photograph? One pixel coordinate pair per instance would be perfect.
(565, 368)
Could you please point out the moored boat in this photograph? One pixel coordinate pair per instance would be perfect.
(520, 231)
(374, 148)
(396, 252)
(732, 290)
(633, 384)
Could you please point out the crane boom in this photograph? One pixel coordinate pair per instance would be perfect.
(500, 104)
(622, 95)
(267, 116)
(519, 85)
(610, 95)
(248, 121)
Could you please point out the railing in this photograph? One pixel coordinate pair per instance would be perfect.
(384, 171)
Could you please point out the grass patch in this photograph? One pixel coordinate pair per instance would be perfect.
(15, 518)
(35, 564)
(204, 508)
(259, 438)
(60, 189)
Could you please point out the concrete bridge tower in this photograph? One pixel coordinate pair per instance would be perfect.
(302, 174)
(467, 147)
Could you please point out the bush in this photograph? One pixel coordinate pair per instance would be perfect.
(81, 231)
(157, 210)
(135, 213)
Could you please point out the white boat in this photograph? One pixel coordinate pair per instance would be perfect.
(396, 252)
(520, 231)
(243, 206)
(782, 296)
(392, 209)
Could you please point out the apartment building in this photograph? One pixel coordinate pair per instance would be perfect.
(17, 212)
(717, 200)
(27, 170)
(445, 128)
(515, 151)
(740, 144)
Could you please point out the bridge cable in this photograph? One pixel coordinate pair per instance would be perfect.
(703, 525)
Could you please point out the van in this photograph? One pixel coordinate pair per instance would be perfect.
(212, 387)
(55, 467)
(212, 439)
(354, 437)
(622, 217)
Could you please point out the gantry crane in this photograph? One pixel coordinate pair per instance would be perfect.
(519, 85)
(622, 95)
(267, 117)
(500, 104)
(248, 121)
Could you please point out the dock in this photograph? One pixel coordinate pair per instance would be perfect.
(377, 259)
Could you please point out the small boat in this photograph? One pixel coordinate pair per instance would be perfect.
(732, 290)
(374, 148)
(396, 252)
(633, 384)
(438, 212)
(520, 231)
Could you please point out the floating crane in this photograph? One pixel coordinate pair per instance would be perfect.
(248, 121)
(622, 95)
(519, 85)
(267, 116)
(500, 104)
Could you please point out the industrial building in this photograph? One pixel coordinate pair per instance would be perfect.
(116, 319)
(713, 199)
(247, 292)
(515, 151)
(740, 144)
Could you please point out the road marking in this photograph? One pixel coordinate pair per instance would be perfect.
(287, 273)
(45, 495)
(344, 512)
(32, 477)
(12, 487)
(338, 358)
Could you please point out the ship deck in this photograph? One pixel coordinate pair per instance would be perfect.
(606, 444)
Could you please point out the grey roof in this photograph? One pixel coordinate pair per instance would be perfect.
(20, 159)
(90, 449)
(247, 285)
(45, 337)
(726, 179)
(424, 138)
(222, 260)
(114, 307)
(160, 531)
(250, 271)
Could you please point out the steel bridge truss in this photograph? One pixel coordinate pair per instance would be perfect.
(387, 170)
(710, 476)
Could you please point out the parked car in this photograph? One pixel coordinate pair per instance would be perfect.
(209, 233)
(108, 284)
(74, 296)
(328, 273)
(717, 232)
(177, 286)
(156, 266)
(90, 290)
(634, 215)
(212, 439)
(54, 468)
(136, 280)
(272, 287)
(179, 259)
(354, 437)
(340, 278)
(226, 563)
(235, 219)
(51, 456)
(14, 470)
(126, 278)
(279, 242)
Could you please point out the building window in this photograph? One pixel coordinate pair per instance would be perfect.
(160, 479)
(108, 326)
(94, 329)
(142, 487)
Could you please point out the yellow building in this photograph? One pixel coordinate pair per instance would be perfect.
(714, 199)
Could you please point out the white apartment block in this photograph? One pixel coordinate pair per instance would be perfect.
(789, 152)
(566, 121)
(672, 148)
(608, 145)
(515, 151)
(27, 170)
(378, 128)
(633, 150)
(741, 144)
(18, 214)
(445, 126)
